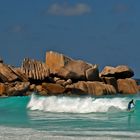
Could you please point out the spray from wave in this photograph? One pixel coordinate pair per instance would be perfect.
(77, 104)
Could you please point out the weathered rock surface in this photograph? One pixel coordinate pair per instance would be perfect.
(68, 82)
(119, 72)
(127, 86)
(68, 68)
(55, 61)
(21, 76)
(53, 89)
(111, 81)
(17, 88)
(92, 74)
(93, 88)
(10, 74)
(63, 75)
(32, 87)
(61, 82)
(39, 88)
(6, 74)
(64, 82)
(35, 70)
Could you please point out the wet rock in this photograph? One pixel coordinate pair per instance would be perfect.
(43, 93)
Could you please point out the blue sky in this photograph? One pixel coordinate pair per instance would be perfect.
(103, 32)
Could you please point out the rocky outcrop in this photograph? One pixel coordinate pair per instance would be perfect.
(50, 89)
(10, 74)
(92, 88)
(127, 86)
(32, 87)
(63, 82)
(21, 76)
(119, 72)
(92, 74)
(55, 61)
(111, 81)
(54, 89)
(63, 75)
(68, 68)
(6, 74)
(16, 88)
(35, 70)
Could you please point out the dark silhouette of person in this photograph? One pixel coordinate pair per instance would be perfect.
(130, 104)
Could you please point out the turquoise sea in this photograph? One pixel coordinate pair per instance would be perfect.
(69, 118)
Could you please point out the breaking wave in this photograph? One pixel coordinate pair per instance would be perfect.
(77, 104)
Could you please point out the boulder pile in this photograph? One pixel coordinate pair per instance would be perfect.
(61, 74)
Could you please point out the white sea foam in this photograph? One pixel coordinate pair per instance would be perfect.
(77, 104)
(11, 133)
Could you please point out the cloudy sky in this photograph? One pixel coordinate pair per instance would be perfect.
(105, 32)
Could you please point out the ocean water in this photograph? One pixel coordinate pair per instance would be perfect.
(69, 118)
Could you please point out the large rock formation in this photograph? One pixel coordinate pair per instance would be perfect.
(10, 74)
(127, 86)
(92, 88)
(14, 88)
(63, 75)
(17, 88)
(35, 70)
(6, 73)
(53, 89)
(21, 76)
(119, 72)
(68, 68)
(111, 81)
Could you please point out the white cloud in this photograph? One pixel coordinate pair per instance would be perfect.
(68, 10)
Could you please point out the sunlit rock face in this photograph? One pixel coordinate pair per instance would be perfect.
(69, 68)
